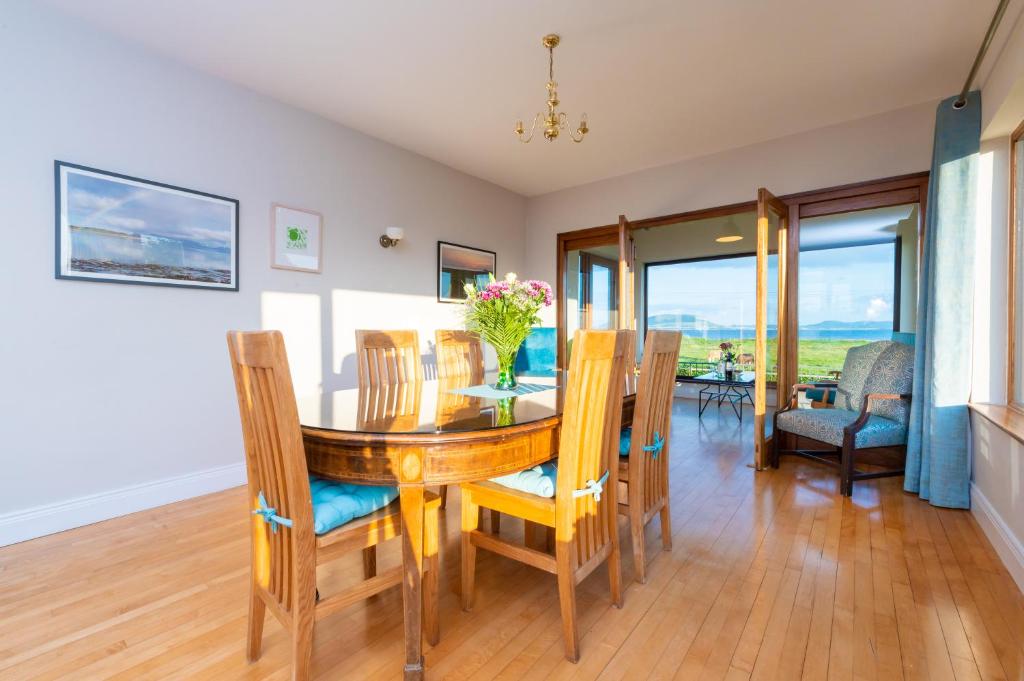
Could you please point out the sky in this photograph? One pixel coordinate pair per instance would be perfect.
(114, 205)
(851, 284)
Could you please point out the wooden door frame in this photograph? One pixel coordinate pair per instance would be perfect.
(890, 191)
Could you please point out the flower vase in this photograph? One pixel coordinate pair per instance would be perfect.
(507, 371)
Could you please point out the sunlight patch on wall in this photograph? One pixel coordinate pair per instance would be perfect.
(297, 316)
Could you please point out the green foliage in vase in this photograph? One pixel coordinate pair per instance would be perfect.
(504, 312)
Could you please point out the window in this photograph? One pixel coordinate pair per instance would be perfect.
(1016, 317)
(847, 297)
(711, 300)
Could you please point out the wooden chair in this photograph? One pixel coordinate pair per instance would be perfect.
(645, 471)
(460, 354)
(586, 530)
(285, 549)
(386, 357)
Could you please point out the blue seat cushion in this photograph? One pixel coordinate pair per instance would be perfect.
(625, 440)
(336, 503)
(826, 425)
(539, 480)
(818, 395)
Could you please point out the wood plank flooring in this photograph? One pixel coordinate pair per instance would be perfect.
(772, 576)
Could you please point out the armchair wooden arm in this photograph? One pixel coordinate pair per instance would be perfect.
(865, 410)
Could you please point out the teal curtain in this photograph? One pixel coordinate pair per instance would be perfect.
(938, 466)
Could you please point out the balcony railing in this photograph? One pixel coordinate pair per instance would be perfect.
(690, 369)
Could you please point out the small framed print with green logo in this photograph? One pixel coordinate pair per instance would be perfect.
(296, 239)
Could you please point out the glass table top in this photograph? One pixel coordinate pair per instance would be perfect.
(428, 407)
(739, 377)
(433, 406)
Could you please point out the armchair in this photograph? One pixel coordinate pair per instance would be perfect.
(871, 410)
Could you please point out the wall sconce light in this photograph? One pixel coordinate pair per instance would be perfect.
(391, 237)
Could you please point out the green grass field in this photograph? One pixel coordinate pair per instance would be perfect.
(817, 357)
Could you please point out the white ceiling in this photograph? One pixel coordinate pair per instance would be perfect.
(661, 80)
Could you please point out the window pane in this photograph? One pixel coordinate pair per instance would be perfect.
(603, 314)
(846, 299)
(711, 301)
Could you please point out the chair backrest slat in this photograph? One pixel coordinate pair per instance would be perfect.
(652, 419)
(459, 354)
(588, 446)
(388, 357)
(276, 467)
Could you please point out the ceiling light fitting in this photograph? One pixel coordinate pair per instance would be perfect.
(554, 121)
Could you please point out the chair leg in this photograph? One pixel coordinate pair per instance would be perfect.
(254, 637)
(369, 562)
(302, 647)
(636, 529)
(567, 600)
(431, 620)
(666, 527)
(846, 475)
(495, 521)
(615, 559)
(444, 497)
(470, 522)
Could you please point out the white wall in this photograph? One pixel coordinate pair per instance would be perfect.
(997, 489)
(120, 397)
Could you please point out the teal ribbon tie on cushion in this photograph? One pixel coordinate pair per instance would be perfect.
(269, 514)
(595, 487)
(656, 447)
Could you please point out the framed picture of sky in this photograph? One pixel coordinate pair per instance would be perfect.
(116, 228)
(460, 265)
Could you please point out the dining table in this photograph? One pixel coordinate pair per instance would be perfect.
(427, 433)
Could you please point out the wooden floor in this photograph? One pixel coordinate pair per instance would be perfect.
(772, 576)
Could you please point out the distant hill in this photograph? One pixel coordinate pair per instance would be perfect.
(833, 325)
(693, 322)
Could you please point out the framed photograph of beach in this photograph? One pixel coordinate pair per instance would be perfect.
(116, 228)
(296, 241)
(460, 265)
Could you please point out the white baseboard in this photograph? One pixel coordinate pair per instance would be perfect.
(38, 521)
(1003, 540)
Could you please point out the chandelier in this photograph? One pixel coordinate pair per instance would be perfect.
(554, 121)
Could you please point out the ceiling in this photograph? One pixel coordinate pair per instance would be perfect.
(661, 80)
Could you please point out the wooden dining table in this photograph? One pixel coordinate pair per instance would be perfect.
(422, 434)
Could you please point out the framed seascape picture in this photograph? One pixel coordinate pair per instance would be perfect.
(296, 239)
(116, 228)
(460, 265)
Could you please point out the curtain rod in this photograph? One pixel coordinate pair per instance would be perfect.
(961, 101)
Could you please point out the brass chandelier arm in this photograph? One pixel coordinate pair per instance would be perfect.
(519, 129)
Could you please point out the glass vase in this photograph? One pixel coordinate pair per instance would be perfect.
(506, 415)
(507, 371)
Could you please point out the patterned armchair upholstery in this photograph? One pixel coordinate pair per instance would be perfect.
(872, 409)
